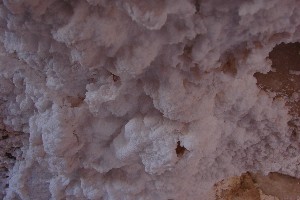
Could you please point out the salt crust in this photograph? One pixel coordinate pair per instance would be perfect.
(106, 89)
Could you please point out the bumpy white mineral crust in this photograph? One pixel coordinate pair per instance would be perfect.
(108, 89)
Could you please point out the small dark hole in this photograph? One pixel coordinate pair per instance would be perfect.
(3, 169)
(197, 5)
(4, 137)
(180, 149)
(294, 133)
(6, 185)
(187, 50)
(10, 156)
(115, 78)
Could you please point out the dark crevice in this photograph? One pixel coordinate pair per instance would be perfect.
(180, 150)
(229, 67)
(4, 137)
(115, 78)
(10, 156)
(197, 5)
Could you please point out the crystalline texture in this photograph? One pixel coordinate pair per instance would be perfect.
(141, 99)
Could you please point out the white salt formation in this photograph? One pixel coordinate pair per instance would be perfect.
(138, 99)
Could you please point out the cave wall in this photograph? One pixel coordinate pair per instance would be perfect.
(145, 99)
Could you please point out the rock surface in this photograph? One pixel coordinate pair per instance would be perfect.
(251, 186)
(139, 99)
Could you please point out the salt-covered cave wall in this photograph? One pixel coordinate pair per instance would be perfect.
(139, 99)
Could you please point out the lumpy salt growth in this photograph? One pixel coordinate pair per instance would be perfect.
(136, 99)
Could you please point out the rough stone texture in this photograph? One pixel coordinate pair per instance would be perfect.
(10, 152)
(284, 82)
(139, 99)
(250, 186)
